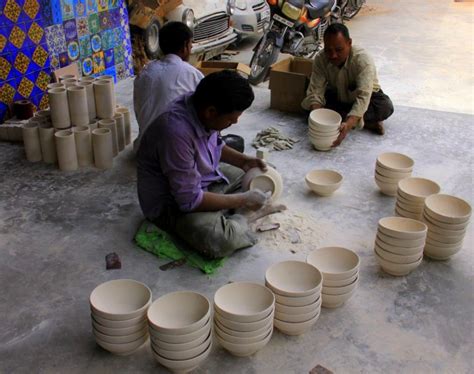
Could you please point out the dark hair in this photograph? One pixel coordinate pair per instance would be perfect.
(173, 36)
(336, 28)
(226, 90)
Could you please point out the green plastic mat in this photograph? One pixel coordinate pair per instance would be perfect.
(152, 239)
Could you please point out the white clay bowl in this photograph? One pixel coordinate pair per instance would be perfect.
(297, 310)
(335, 301)
(316, 131)
(402, 251)
(295, 328)
(402, 228)
(182, 338)
(322, 143)
(179, 313)
(186, 354)
(182, 366)
(323, 129)
(417, 189)
(244, 301)
(448, 209)
(157, 343)
(121, 339)
(397, 269)
(297, 301)
(122, 349)
(335, 263)
(389, 189)
(405, 201)
(445, 239)
(340, 290)
(119, 324)
(438, 230)
(415, 209)
(120, 299)
(390, 174)
(342, 282)
(242, 340)
(395, 162)
(243, 326)
(293, 278)
(244, 334)
(406, 243)
(444, 225)
(387, 180)
(269, 181)
(440, 254)
(398, 259)
(400, 212)
(118, 331)
(325, 118)
(243, 350)
(297, 318)
(440, 245)
(323, 182)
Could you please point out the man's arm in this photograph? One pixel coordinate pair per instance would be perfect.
(240, 160)
(317, 86)
(253, 200)
(365, 86)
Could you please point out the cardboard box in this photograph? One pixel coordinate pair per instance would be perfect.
(289, 80)
(208, 67)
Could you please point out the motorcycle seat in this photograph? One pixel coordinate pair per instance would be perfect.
(318, 8)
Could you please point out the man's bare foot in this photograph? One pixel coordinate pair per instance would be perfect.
(265, 211)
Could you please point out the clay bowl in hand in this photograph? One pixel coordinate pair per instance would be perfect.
(397, 269)
(417, 189)
(448, 209)
(295, 328)
(402, 228)
(324, 182)
(182, 338)
(244, 301)
(335, 263)
(268, 181)
(325, 118)
(293, 279)
(121, 299)
(396, 162)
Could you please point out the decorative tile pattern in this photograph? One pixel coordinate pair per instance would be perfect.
(25, 87)
(43, 80)
(91, 6)
(85, 49)
(80, 8)
(55, 39)
(98, 62)
(3, 43)
(31, 8)
(102, 5)
(70, 31)
(12, 10)
(67, 9)
(40, 56)
(22, 62)
(17, 37)
(82, 26)
(5, 68)
(35, 33)
(7, 92)
(87, 66)
(73, 50)
(94, 23)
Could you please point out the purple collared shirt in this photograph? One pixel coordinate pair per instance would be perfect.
(177, 160)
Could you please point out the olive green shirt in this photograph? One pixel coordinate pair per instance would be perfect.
(354, 82)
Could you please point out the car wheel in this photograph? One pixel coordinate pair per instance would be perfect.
(152, 44)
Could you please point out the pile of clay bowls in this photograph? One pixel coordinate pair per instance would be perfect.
(180, 330)
(399, 244)
(118, 311)
(340, 269)
(243, 317)
(390, 169)
(447, 218)
(297, 289)
(323, 182)
(323, 128)
(411, 195)
(268, 181)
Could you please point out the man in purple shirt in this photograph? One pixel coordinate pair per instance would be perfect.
(182, 187)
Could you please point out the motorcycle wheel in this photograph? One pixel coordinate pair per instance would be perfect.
(352, 8)
(152, 45)
(264, 56)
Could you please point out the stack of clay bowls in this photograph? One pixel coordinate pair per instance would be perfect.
(399, 244)
(180, 330)
(268, 181)
(411, 195)
(323, 182)
(297, 289)
(340, 269)
(447, 218)
(323, 128)
(390, 169)
(118, 310)
(243, 317)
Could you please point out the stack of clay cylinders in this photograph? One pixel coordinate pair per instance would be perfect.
(112, 126)
(66, 76)
(48, 146)
(59, 107)
(94, 124)
(66, 150)
(90, 98)
(87, 79)
(119, 122)
(127, 123)
(82, 137)
(56, 85)
(69, 82)
(78, 110)
(31, 141)
(102, 145)
(104, 97)
(43, 116)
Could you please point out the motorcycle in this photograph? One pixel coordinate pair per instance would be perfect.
(297, 28)
(350, 8)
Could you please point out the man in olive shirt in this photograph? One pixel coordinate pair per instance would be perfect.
(344, 79)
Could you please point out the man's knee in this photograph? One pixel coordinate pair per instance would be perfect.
(386, 109)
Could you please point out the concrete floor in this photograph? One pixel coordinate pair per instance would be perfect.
(56, 228)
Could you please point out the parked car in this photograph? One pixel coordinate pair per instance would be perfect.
(250, 17)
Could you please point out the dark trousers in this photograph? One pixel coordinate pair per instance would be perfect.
(380, 106)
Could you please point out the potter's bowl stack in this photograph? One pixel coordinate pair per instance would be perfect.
(399, 244)
(323, 182)
(118, 311)
(340, 269)
(391, 168)
(268, 181)
(297, 288)
(411, 195)
(243, 317)
(447, 218)
(180, 330)
(323, 128)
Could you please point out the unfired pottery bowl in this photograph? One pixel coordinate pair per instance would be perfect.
(244, 334)
(120, 299)
(244, 301)
(242, 340)
(335, 301)
(182, 338)
(324, 182)
(406, 243)
(122, 349)
(445, 239)
(417, 189)
(415, 209)
(404, 200)
(342, 282)
(335, 263)
(438, 244)
(325, 118)
(295, 328)
(297, 318)
(397, 269)
(389, 189)
(243, 326)
(157, 343)
(397, 259)
(282, 308)
(121, 339)
(444, 225)
(293, 278)
(119, 324)
(269, 181)
(298, 301)
(340, 290)
(448, 209)
(244, 350)
(387, 180)
(395, 162)
(402, 251)
(402, 228)
(390, 174)
(118, 331)
(400, 212)
(437, 253)
(184, 354)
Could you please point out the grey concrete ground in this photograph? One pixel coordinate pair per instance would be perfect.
(56, 228)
